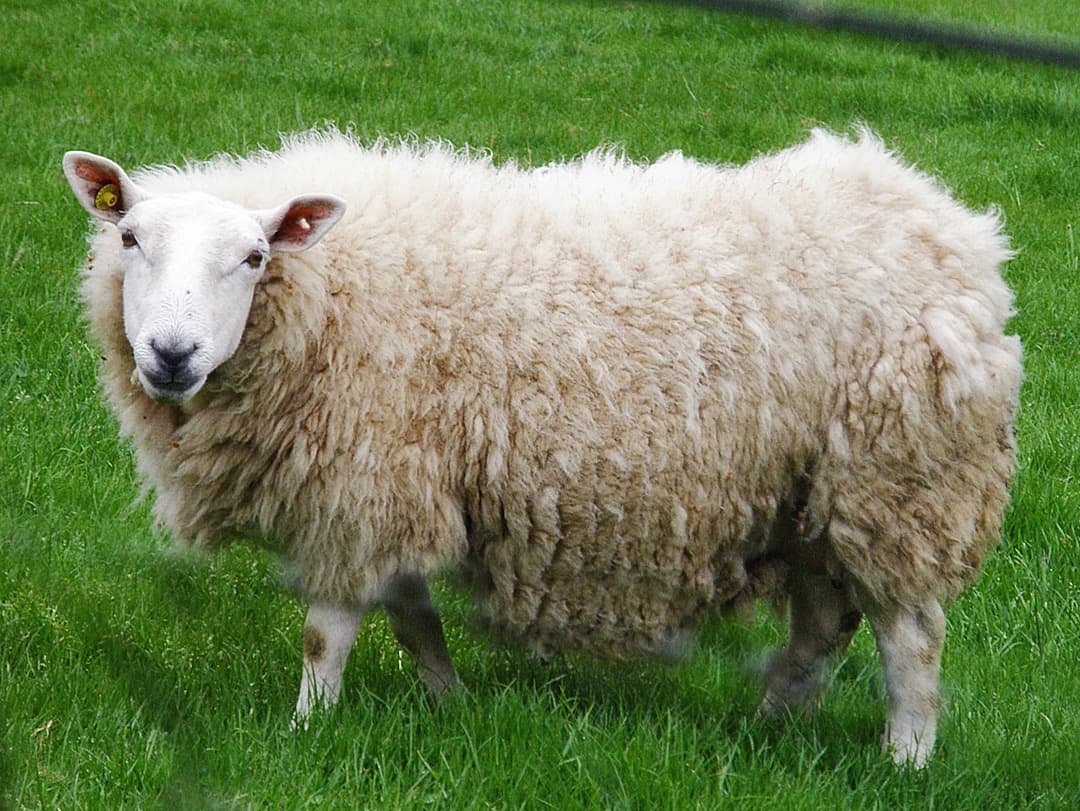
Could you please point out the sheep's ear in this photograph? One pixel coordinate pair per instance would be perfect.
(100, 186)
(302, 221)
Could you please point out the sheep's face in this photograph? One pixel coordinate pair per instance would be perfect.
(190, 267)
(191, 262)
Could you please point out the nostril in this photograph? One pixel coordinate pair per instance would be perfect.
(173, 356)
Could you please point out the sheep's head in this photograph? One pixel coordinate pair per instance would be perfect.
(191, 263)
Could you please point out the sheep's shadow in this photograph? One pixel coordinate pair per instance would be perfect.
(715, 691)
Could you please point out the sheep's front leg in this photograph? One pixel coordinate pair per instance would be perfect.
(823, 619)
(418, 629)
(329, 634)
(909, 639)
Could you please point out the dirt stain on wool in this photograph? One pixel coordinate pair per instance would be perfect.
(314, 644)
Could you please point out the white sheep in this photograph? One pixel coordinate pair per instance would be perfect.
(618, 396)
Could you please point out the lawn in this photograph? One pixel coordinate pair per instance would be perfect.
(135, 676)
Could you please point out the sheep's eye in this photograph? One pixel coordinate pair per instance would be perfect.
(127, 239)
(255, 258)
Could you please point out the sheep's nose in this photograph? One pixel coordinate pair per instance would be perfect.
(173, 357)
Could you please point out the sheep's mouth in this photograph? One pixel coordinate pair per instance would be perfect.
(170, 389)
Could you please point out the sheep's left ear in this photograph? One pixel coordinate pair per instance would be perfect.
(302, 221)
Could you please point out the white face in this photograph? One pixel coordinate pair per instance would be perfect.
(191, 263)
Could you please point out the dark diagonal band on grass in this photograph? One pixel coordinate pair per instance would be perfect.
(900, 29)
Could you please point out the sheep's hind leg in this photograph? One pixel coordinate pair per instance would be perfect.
(418, 628)
(823, 619)
(329, 634)
(909, 639)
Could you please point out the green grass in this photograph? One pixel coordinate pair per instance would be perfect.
(135, 677)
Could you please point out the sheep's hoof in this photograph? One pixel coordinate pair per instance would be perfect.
(913, 753)
(299, 723)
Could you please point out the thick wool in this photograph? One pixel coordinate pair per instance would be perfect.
(605, 389)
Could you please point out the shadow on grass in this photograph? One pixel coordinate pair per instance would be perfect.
(156, 691)
(715, 692)
(7, 779)
(134, 624)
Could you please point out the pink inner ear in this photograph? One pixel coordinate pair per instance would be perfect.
(298, 223)
(97, 179)
(91, 174)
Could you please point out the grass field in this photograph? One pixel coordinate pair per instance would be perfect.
(132, 676)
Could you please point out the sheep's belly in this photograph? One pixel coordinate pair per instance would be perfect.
(623, 611)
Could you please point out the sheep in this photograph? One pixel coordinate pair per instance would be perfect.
(618, 397)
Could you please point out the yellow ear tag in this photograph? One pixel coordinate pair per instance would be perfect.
(107, 198)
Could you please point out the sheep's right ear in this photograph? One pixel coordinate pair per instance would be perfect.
(100, 186)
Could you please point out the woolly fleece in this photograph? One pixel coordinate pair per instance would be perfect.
(603, 388)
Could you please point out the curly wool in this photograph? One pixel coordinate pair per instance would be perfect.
(600, 386)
